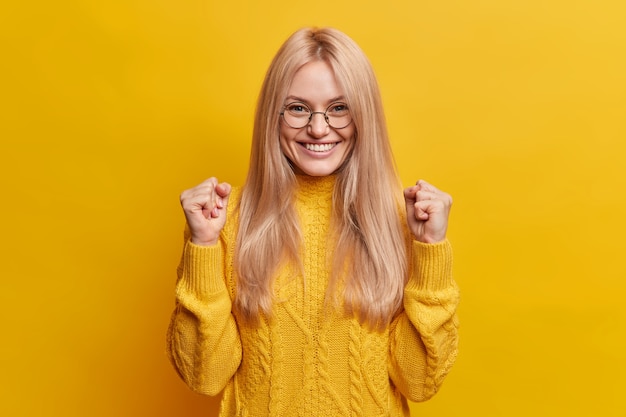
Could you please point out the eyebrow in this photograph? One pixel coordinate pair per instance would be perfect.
(302, 100)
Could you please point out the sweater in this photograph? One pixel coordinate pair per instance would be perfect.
(307, 359)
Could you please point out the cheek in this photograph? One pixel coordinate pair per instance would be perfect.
(350, 137)
(285, 133)
(284, 142)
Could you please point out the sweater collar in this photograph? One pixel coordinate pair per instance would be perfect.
(316, 185)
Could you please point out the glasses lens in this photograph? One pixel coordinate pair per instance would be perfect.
(338, 115)
(297, 115)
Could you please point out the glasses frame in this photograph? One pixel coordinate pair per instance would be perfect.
(312, 113)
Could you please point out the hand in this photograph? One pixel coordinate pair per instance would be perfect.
(427, 210)
(205, 210)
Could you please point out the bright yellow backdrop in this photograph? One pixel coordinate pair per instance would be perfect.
(110, 108)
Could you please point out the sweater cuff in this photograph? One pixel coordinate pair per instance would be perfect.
(432, 266)
(203, 269)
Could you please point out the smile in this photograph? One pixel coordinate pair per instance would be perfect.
(320, 147)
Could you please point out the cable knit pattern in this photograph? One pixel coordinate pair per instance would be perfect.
(356, 380)
(307, 359)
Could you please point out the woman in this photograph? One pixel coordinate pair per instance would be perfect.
(314, 290)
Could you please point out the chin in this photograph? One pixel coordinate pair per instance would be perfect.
(317, 167)
(318, 171)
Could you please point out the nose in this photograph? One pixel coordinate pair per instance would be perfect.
(318, 127)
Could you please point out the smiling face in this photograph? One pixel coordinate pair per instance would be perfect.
(316, 149)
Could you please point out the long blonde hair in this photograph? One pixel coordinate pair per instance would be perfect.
(370, 258)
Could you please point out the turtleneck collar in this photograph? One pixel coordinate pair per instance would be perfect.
(318, 185)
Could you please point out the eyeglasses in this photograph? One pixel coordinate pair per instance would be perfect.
(298, 115)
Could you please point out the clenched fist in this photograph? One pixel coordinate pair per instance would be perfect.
(205, 210)
(427, 210)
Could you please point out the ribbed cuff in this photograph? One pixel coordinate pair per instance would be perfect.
(432, 266)
(203, 269)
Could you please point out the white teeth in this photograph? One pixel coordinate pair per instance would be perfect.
(319, 147)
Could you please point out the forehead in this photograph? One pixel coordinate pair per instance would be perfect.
(315, 83)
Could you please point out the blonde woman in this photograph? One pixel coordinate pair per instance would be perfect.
(319, 288)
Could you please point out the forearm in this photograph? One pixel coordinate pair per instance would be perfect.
(203, 340)
(423, 339)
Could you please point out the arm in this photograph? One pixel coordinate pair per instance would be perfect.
(424, 337)
(203, 341)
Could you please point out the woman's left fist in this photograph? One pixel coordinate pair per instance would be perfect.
(427, 211)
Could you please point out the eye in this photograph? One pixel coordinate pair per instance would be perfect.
(338, 109)
(297, 109)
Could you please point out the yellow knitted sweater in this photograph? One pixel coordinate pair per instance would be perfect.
(306, 360)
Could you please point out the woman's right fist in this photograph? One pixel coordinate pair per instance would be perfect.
(205, 210)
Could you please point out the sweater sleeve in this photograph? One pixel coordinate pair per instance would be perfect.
(203, 341)
(424, 337)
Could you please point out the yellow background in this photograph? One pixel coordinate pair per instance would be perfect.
(110, 108)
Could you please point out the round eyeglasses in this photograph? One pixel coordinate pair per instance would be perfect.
(298, 115)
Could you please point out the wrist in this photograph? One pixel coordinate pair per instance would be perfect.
(203, 242)
(430, 240)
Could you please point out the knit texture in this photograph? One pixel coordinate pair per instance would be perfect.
(308, 359)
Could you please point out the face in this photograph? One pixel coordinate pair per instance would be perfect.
(316, 149)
